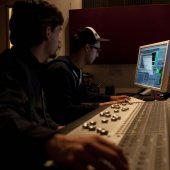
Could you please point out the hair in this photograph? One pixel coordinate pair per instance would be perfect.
(29, 21)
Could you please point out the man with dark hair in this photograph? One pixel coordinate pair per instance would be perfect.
(29, 137)
(67, 97)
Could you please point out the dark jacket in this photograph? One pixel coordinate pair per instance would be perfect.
(66, 95)
(24, 124)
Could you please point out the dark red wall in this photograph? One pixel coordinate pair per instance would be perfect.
(127, 28)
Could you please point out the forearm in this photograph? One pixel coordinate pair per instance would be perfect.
(93, 97)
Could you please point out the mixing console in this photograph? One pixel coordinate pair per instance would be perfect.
(141, 128)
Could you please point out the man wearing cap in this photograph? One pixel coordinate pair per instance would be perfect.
(66, 96)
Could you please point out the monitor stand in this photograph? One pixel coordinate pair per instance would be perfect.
(146, 92)
(150, 95)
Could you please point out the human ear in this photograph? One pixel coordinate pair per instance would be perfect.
(47, 33)
(87, 47)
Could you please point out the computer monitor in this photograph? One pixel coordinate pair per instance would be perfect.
(153, 66)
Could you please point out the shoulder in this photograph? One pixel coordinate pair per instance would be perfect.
(5, 56)
(10, 65)
(6, 61)
(61, 63)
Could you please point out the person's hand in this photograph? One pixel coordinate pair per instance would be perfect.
(111, 102)
(60, 127)
(80, 152)
(121, 97)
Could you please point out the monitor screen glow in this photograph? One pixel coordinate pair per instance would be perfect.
(153, 66)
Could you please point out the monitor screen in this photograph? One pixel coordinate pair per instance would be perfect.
(153, 66)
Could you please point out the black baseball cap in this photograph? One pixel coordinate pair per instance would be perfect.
(86, 35)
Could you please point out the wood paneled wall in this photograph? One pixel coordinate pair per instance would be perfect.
(4, 4)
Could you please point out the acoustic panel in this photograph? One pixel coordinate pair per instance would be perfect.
(127, 27)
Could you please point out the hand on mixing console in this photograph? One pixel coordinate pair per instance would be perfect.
(111, 102)
(121, 97)
(116, 99)
(82, 152)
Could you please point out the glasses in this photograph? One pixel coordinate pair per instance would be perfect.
(97, 48)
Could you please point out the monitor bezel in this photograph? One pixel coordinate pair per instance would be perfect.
(166, 71)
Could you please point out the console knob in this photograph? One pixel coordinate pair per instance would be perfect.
(92, 122)
(85, 126)
(104, 120)
(92, 128)
(103, 132)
